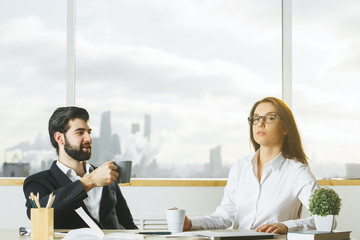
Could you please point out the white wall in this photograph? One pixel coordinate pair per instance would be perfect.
(147, 202)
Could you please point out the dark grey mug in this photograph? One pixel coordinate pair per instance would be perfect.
(124, 171)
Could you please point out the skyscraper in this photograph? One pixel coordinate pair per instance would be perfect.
(147, 126)
(107, 145)
(135, 127)
(215, 161)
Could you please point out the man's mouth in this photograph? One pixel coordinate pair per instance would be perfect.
(86, 148)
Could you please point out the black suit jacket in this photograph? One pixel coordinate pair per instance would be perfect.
(113, 214)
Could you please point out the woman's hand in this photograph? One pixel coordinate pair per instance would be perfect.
(187, 224)
(278, 228)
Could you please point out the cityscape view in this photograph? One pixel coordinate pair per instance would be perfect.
(27, 158)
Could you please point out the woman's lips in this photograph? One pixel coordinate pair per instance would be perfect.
(260, 133)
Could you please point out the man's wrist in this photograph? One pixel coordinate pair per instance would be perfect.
(87, 183)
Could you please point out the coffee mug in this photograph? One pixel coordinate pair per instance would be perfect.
(175, 219)
(124, 171)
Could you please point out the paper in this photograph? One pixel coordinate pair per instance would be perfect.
(99, 233)
(89, 234)
(223, 234)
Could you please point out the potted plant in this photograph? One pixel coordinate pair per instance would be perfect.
(324, 204)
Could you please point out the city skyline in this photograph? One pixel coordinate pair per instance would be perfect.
(145, 164)
(106, 147)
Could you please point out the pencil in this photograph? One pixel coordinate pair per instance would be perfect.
(52, 200)
(48, 202)
(36, 198)
(32, 202)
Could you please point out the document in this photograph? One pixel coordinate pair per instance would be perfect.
(228, 234)
(90, 234)
(95, 233)
(94, 227)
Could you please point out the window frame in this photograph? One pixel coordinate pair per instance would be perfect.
(286, 22)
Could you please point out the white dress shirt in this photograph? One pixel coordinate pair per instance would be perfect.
(285, 186)
(92, 202)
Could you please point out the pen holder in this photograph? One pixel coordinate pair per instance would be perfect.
(42, 223)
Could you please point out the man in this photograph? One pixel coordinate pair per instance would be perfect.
(75, 182)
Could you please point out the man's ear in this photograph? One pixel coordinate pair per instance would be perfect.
(59, 138)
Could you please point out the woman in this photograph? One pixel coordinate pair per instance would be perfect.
(265, 191)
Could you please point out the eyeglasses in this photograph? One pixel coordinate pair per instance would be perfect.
(268, 118)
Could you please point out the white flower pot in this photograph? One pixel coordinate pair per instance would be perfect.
(326, 223)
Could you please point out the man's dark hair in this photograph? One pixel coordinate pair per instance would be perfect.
(59, 121)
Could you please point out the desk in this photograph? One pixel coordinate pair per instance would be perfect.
(13, 234)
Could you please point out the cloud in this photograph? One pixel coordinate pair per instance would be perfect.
(32, 53)
(197, 69)
(141, 70)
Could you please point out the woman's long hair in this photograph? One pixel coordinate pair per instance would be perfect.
(292, 147)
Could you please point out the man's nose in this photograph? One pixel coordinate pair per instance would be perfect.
(88, 137)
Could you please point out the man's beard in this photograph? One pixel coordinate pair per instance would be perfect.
(76, 152)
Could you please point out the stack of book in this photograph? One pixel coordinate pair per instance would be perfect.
(318, 235)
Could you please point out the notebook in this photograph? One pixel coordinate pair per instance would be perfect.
(318, 235)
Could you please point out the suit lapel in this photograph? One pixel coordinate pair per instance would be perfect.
(62, 180)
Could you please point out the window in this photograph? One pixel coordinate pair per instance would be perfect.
(171, 83)
(32, 73)
(326, 59)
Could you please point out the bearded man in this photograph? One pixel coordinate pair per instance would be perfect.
(74, 181)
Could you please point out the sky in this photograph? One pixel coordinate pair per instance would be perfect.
(195, 66)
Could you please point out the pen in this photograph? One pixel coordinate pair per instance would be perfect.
(155, 233)
(49, 200)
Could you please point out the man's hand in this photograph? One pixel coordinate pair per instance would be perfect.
(101, 176)
(278, 228)
(187, 224)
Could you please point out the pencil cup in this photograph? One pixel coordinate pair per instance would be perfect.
(42, 223)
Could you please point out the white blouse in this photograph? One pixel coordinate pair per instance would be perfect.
(285, 186)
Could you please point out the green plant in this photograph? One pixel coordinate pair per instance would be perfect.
(325, 201)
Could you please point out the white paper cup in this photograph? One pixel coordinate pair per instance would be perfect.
(175, 220)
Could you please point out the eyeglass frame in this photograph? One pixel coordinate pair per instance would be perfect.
(251, 119)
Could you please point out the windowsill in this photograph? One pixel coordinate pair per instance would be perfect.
(188, 182)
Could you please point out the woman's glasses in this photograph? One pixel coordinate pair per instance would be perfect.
(267, 118)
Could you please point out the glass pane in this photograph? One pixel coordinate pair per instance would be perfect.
(326, 50)
(170, 84)
(33, 78)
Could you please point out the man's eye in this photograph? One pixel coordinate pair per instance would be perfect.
(256, 119)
